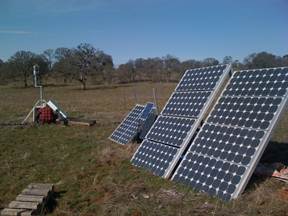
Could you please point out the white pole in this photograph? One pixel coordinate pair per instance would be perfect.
(155, 99)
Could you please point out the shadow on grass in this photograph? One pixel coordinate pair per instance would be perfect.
(57, 85)
(101, 87)
(275, 152)
(47, 85)
(52, 202)
(21, 87)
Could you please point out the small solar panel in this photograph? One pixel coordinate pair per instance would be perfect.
(146, 126)
(147, 110)
(128, 128)
(225, 152)
(179, 119)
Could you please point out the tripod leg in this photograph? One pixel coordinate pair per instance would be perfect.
(29, 114)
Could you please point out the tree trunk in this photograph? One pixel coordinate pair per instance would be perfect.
(25, 80)
(168, 74)
(83, 85)
(82, 80)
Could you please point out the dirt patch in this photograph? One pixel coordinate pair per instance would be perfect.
(169, 194)
(283, 193)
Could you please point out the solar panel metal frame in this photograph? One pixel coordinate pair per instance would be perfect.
(264, 141)
(198, 120)
(110, 137)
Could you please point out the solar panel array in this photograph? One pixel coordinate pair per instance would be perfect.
(178, 121)
(225, 152)
(128, 128)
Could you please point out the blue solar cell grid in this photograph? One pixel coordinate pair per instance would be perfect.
(186, 104)
(201, 79)
(147, 110)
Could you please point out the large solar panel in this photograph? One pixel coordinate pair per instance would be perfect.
(225, 152)
(170, 134)
(126, 131)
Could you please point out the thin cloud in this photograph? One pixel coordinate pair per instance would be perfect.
(15, 32)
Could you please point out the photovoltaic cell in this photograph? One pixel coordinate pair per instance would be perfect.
(250, 112)
(204, 173)
(227, 143)
(201, 79)
(186, 104)
(266, 82)
(170, 130)
(126, 131)
(154, 156)
(226, 150)
(179, 119)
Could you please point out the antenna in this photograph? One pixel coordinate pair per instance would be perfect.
(37, 84)
(36, 74)
(37, 81)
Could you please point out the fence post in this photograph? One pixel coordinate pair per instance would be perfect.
(124, 99)
(155, 99)
(135, 96)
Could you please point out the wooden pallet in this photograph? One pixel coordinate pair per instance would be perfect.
(81, 122)
(31, 201)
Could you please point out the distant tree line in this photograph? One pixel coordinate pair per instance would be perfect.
(86, 64)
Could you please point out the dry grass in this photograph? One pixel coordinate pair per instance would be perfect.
(94, 175)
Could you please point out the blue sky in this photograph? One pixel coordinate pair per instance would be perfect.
(127, 29)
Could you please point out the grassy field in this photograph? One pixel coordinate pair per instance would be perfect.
(93, 175)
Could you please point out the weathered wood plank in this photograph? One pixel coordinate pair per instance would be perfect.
(41, 186)
(83, 122)
(36, 192)
(24, 205)
(16, 212)
(30, 198)
(8, 211)
(27, 213)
